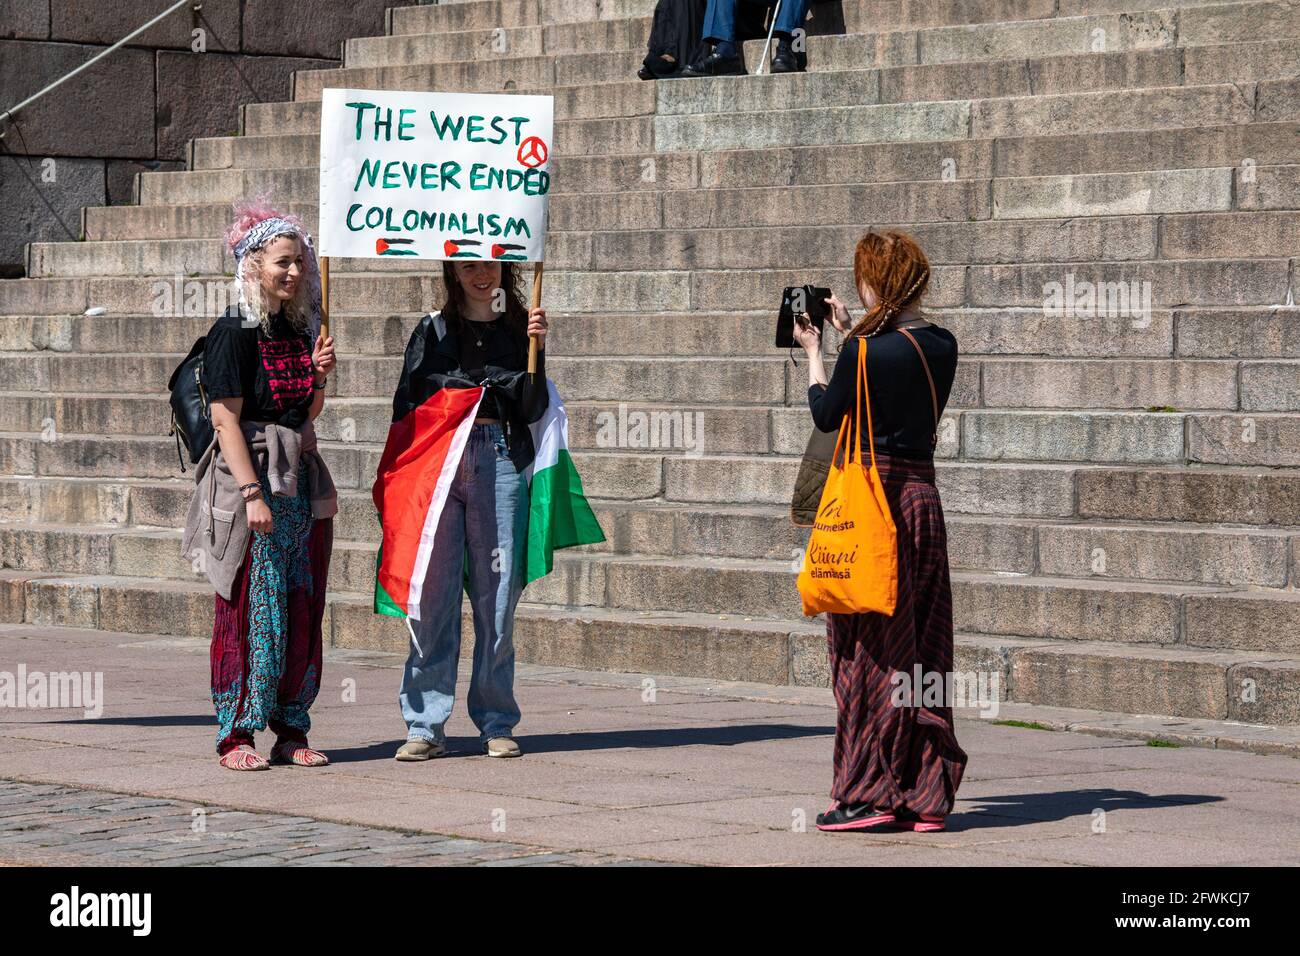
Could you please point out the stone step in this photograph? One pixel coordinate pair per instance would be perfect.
(1186, 680)
(489, 14)
(1176, 680)
(1065, 113)
(1123, 286)
(502, 74)
(1002, 240)
(1267, 144)
(1266, 439)
(993, 382)
(1190, 333)
(1211, 493)
(1088, 232)
(496, 42)
(1101, 550)
(1220, 555)
(623, 97)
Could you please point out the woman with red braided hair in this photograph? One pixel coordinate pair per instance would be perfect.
(896, 758)
(260, 523)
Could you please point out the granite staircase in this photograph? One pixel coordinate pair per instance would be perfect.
(1122, 487)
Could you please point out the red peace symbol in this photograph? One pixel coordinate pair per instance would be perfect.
(533, 152)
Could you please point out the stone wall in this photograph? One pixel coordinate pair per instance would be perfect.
(82, 144)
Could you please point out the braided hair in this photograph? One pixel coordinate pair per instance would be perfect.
(894, 267)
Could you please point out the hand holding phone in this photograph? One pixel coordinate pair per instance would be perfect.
(806, 334)
(796, 302)
(839, 313)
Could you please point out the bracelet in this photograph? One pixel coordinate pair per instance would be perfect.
(317, 386)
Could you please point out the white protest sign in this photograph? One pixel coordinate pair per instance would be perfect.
(434, 175)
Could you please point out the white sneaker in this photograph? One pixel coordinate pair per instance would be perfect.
(502, 747)
(420, 750)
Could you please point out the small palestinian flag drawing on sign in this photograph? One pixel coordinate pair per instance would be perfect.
(384, 247)
(452, 249)
(504, 252)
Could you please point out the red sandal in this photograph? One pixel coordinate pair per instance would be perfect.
(298, 754)
(243, 757)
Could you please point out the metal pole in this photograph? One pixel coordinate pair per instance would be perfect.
(8, 114)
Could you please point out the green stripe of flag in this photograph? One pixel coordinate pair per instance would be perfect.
(383, 603)
(558, 515)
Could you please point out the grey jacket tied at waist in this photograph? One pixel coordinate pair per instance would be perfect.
(217, 524)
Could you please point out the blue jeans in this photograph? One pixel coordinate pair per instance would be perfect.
(484, 524)
(720, 18)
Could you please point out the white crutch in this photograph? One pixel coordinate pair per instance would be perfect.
(770, 30)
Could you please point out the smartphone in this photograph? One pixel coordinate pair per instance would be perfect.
(796, 300)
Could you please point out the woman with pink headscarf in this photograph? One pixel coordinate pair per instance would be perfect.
(262, 513)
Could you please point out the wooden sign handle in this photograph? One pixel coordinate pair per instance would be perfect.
(537, 304)
(325, 297)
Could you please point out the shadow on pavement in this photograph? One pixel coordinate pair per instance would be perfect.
(723, 736)
(163, 720)
(1021, 809)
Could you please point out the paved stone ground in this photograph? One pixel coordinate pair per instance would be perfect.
(702, 773)
(71, 826)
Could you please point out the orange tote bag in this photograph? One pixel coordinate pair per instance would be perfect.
(851, 565)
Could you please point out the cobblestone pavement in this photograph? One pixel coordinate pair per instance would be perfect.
(617, 768)
(66, 826)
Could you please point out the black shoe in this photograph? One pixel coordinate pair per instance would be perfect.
(716, 65)
(858, 816)
(786, 60)
(657, 68)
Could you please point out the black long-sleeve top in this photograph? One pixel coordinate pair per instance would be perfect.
(901, 410)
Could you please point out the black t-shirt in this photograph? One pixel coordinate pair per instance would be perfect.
(902, 415)
(501, 347)
(273, 375)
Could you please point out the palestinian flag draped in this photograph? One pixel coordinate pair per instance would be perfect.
(425, 443)
(420, 459)
(558, 513)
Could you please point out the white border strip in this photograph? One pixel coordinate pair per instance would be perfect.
(431, 517)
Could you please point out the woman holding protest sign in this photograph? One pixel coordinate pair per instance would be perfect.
(261, 520)
(480, 336)
(896, 758)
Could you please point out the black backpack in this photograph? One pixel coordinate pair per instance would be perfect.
(191, 418)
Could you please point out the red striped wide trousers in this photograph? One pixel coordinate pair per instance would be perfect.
(902, 758)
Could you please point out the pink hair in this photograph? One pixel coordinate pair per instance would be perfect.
(248, 213)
